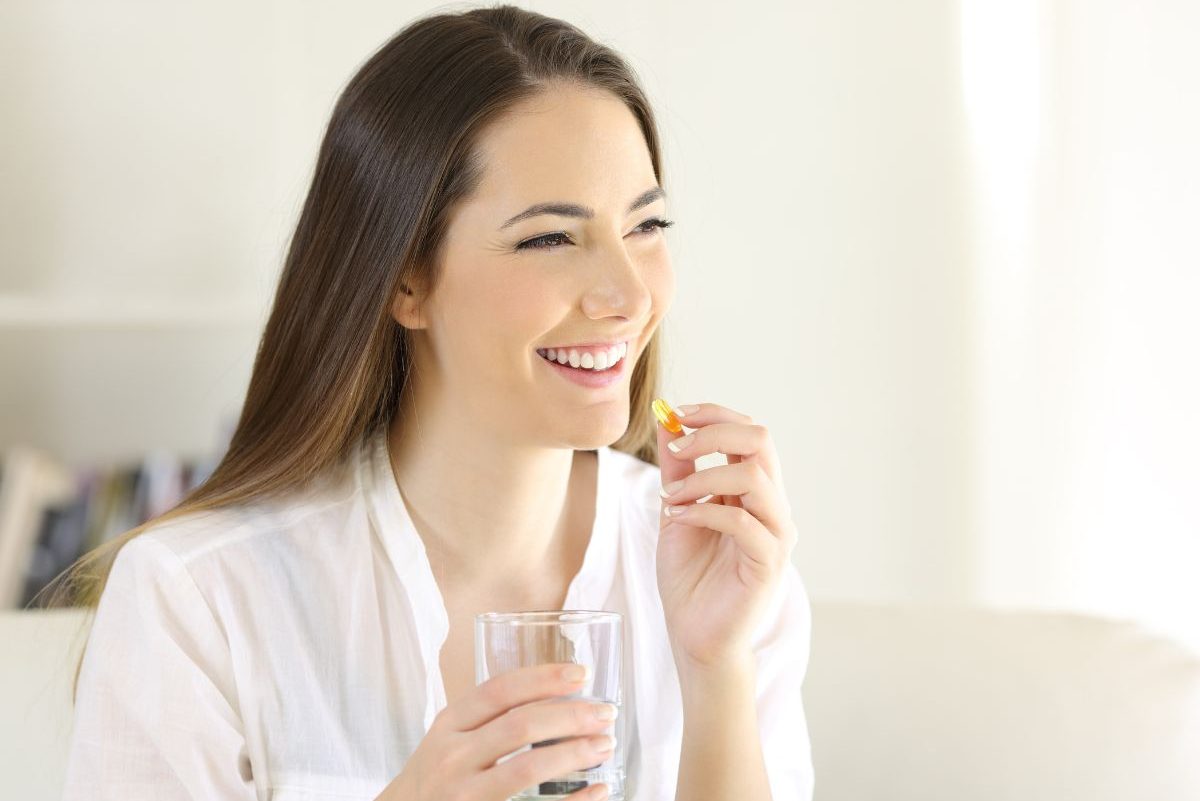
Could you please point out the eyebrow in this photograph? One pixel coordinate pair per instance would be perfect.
(575, 210)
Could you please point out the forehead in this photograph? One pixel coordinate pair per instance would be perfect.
(567, 143)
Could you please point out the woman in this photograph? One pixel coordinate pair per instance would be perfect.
(450, 413)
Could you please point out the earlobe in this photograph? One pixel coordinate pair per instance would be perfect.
(406, 309)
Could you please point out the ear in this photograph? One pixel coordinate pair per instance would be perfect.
(406, 307)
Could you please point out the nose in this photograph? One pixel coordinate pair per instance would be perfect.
(620, 284)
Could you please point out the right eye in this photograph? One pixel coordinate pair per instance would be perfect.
(537, 242)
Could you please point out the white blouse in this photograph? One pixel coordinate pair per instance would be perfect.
(289, 650)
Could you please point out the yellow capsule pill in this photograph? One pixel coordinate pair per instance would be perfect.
(666, 416)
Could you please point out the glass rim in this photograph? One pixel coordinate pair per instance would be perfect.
(548, 617)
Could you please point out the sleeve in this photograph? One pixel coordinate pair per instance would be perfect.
(155, 714)
(781, 651)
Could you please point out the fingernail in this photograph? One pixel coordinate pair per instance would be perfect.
(577, 672)
(670, 489)
(602, 742)
(676, 445)
(687, 409)
(605, 711)
(672, 511)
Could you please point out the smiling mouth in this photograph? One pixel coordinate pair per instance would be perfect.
(592, 361)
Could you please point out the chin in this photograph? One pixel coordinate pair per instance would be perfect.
(603, 430)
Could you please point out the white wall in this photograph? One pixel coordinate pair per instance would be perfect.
(141, 196)
(1088, 412)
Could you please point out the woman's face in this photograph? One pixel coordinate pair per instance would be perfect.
(511, 288)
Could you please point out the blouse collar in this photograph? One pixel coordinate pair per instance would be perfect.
(589, 588)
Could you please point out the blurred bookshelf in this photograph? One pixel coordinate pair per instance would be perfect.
(112, 409)
(51, 512)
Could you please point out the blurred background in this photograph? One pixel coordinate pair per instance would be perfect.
(946, 251)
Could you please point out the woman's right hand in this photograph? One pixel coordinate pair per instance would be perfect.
(456, 760)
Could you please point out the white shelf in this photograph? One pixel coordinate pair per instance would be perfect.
(25, 312)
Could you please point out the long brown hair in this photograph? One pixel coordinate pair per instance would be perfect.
(396, 157)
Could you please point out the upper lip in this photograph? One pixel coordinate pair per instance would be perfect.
(603, 344)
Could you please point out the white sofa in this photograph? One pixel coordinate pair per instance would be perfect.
(904, 702)
(967, 704)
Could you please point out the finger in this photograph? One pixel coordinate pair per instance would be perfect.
(738, 440)
(587, 793)
(501, 693)
(541, 724)
(539, 765)
(745, 481)
(760, 546)
(694, 415)
(707, 413)
(671, 467)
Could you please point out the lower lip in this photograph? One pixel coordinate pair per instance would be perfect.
(587, 378)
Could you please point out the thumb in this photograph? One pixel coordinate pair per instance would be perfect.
(672, 467)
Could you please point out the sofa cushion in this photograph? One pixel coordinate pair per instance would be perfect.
(911, 702)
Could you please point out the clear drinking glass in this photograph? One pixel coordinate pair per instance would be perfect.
(506, 641)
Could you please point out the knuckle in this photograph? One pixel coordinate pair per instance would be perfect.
(585, 718)
(439, 720)
(585, 749)
(443, 721)
(465, 791)
(753, 474)
(492, 692)
(526, 770)
(765, 484)
(517, 727)
(782, 550)
(760, 474)
(455, 753)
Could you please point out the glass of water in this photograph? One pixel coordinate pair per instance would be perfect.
(506, 641)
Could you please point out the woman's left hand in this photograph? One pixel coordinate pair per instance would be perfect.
(720, 560)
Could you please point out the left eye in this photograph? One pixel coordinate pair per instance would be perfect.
(547, 241)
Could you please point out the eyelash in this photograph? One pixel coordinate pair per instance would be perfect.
(530, 244)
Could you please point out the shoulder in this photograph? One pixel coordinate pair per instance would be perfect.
(286, 522)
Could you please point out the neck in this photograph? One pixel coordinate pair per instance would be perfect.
(490, 513)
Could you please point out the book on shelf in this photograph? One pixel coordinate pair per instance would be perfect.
(30, 482)
(52, 513)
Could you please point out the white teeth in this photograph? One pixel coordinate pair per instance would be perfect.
(587, 361)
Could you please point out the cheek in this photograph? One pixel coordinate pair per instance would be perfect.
(507, 317)
(660, 281)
